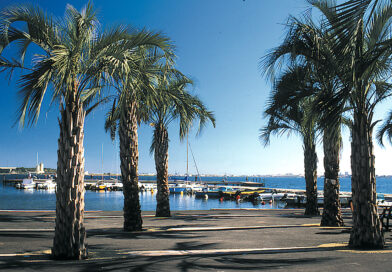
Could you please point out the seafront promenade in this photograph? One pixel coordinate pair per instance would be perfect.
(214, 240)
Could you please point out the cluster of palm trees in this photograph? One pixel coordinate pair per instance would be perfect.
(83, 66)
(327, 74)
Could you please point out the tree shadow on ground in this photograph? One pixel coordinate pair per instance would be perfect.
(30, 218)
(113, 260)
(194, 246)
(191, 263)
(26, 235)
(212, 217)
(298, 215)
(121, 234)
(335, 232)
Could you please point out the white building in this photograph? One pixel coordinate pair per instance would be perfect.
(40, 168)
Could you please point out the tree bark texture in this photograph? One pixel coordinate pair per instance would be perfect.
(129, 156)
(161, 156)
(367, 229)
(332, 214)
(310, 163)
(70, 234)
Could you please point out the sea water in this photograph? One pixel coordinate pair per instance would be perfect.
(14, 199)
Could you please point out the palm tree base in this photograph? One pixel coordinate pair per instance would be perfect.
(133, 228)
(331, 221)
(132, 219)
(360, 240)
(82, 256)
(163, 213)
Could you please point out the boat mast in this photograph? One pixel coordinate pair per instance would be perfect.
(187, 155)
(102, 162)
(194, 161)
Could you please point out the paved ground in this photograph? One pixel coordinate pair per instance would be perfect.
(216, 240)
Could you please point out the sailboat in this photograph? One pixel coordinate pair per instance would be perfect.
(177, 186)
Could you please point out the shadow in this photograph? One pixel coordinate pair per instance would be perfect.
(26, 218)
(120, 234)
(299, 215)
(331, 232)
(213, 217)
(115, 262)
(193, 246)
(242, 263)
(26, 235)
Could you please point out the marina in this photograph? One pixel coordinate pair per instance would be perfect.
(212, 193)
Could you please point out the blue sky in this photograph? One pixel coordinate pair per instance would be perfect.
(218, 44)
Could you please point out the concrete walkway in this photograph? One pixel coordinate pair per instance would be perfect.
(215, 240)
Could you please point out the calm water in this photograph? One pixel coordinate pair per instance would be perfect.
(13, 199)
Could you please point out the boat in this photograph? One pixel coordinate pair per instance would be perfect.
(99, 185)
(184, 186)
(147, 186)
(114, 186)
(216, 192)
(48, 184)
(300, 200)
(28, 183)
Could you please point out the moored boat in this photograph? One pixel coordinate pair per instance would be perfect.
(49, 184)
(217, 192)
(28, 183)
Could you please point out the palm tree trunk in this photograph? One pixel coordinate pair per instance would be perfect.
(367, 230)
(129, 156)
(70, 235)
(161, 155)
(332, 214)
(310, 163)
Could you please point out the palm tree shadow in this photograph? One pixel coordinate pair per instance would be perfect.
(121, 234)
(193, 245)
(31, 218)
(227, 263)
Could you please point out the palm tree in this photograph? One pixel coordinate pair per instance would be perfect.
(363, 31)
(310, 45)
(73, 63)
(385, 130)
(294, 117)
(165, 109)
(133, 90)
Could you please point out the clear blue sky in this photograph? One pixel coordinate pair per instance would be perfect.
(218, 44)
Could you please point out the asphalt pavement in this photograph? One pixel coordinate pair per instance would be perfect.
(214, 240)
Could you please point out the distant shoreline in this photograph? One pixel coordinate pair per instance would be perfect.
(192, 175)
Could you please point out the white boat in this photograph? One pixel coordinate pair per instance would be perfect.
(147, 186)
(114, 186)
(276, 196)
(49, 185)
(177, 186)
(299, 199)
(28, 183)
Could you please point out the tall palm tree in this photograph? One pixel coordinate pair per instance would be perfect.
(72, 63)
(310, 45)
(363, 31)
(133, 90)
(295, 118)
(385, 130)
(185, 108)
